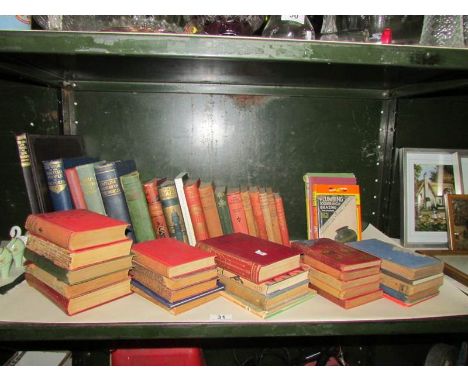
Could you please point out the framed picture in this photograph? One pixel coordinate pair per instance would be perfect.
(462, 158)
(427, 176)
(457, 215)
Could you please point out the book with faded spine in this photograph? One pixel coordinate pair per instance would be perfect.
(179, 182)
(353, 302)
(342, 284)
(257, 212)
(25, 162)
(345, 293)
(283, 225)
(265, 206)
(137, 207)
(408, 289)
(223, 209)
(251, 223)
(90, 187)
(274, 216)
(76, 192)
(111, 192)
(172, 212)
(155, 207)
(192, 195)
(208, 201)
(236, 210)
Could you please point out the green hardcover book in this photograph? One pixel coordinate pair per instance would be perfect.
(90, 187)
(137, 206)
(172, 211)
(223, 209)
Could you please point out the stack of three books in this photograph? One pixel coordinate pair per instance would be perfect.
(174, 275)
(263, 277)
(78, 259)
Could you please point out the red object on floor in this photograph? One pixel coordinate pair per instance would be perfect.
(157, 357)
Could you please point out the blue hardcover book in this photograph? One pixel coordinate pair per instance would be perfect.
(107, 177)
(125, 167)
(401, 261)
(77, 161)
(171, 305)
(59, 191)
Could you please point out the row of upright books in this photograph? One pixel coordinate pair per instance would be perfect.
(80, 259)
(186, 209)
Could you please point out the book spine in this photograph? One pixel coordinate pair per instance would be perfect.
(274, 217)
(179, 184)
(258, 214)
(236, 210)
(192, 195)
(264, 205)
(223, 211)
(251, 224)
(49, 250)
(90, 188)
(49, 231)
(58, 188)
(210, 211)
(25, 162)
(112, 193)
(239, 266)
(137, 207)
(52, 295)
(155, 286)
(173, 213)
(235, 286)
(155, 209)
(46, 264)
(75, 189)
(283, 226)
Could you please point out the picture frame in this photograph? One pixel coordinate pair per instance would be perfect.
(462, 158)
(426, 176)
(457, 221)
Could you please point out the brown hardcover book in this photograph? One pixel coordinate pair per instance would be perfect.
(234, 286)
(283, 225)
(251, 223)
(345, 276)
(265, 206)
(67, 259)
(345, 293)
(340, 284)
(170, 294)
(351, 302)
(210, 210)
(248, 256)
(257, 212)
(85, 301)
(236, 210)
(274, 216)
(409, 289)
(179, 282)
(194, 204)
(155, 208)
(72, 291)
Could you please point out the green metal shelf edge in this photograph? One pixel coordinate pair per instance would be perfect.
(132, 331)
(233, 48)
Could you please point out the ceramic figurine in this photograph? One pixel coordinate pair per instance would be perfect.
(6, 258)
(17, 246)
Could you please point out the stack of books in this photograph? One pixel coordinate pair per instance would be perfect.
(78, 259)
(263, 277)
(344, 275)
(408, 277)
(174, 275)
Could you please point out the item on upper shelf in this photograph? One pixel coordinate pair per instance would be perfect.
(329, 31)
(251, 223)
(283, 225)
(443, 30)
(223, 209)
(293, 27)
(256, 259)
(229, 25)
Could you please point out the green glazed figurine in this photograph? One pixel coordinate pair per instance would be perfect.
(12, 252)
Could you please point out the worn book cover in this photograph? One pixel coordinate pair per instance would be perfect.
(90, 187)
(251, 223)
(283, 225)
(76, 192)
(59, 191)
(208, 201)
(76, 229)
(155, 207)
(254, 195)
(236, 210)
(409, 289)
(401, 261)
(172, 212)
(256, 259)
(170, 257)
(179, 182)
(274, 216)
(353, 302)
(337, 212)
(223, 209)
(197, 216)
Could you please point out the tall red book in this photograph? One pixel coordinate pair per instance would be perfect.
(283, 226)
(155, 208)
(76, 229)
(236, 209)
(256, 259)
(192, 195)
(210, 210)
(274, 216)
(254, 195)
(251, 223)
(75, 188)
(265, 206)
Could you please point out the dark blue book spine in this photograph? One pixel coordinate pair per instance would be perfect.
(57, 183)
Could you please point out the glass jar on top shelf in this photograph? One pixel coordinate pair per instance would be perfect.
(292, 27)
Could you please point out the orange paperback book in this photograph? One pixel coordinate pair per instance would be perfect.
(257, 212)
(251, 223)
(210, 210)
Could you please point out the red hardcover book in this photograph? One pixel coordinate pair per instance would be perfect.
(85, 301)
(171, 258)
(274, 216)
(192, 195)
(75, 188)
(254, 195)
(155, 209)
(251, 223)
(76, 229)
(236, 209)
(208, 201)
(283, 226)
(335, 255)
(256, 259)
